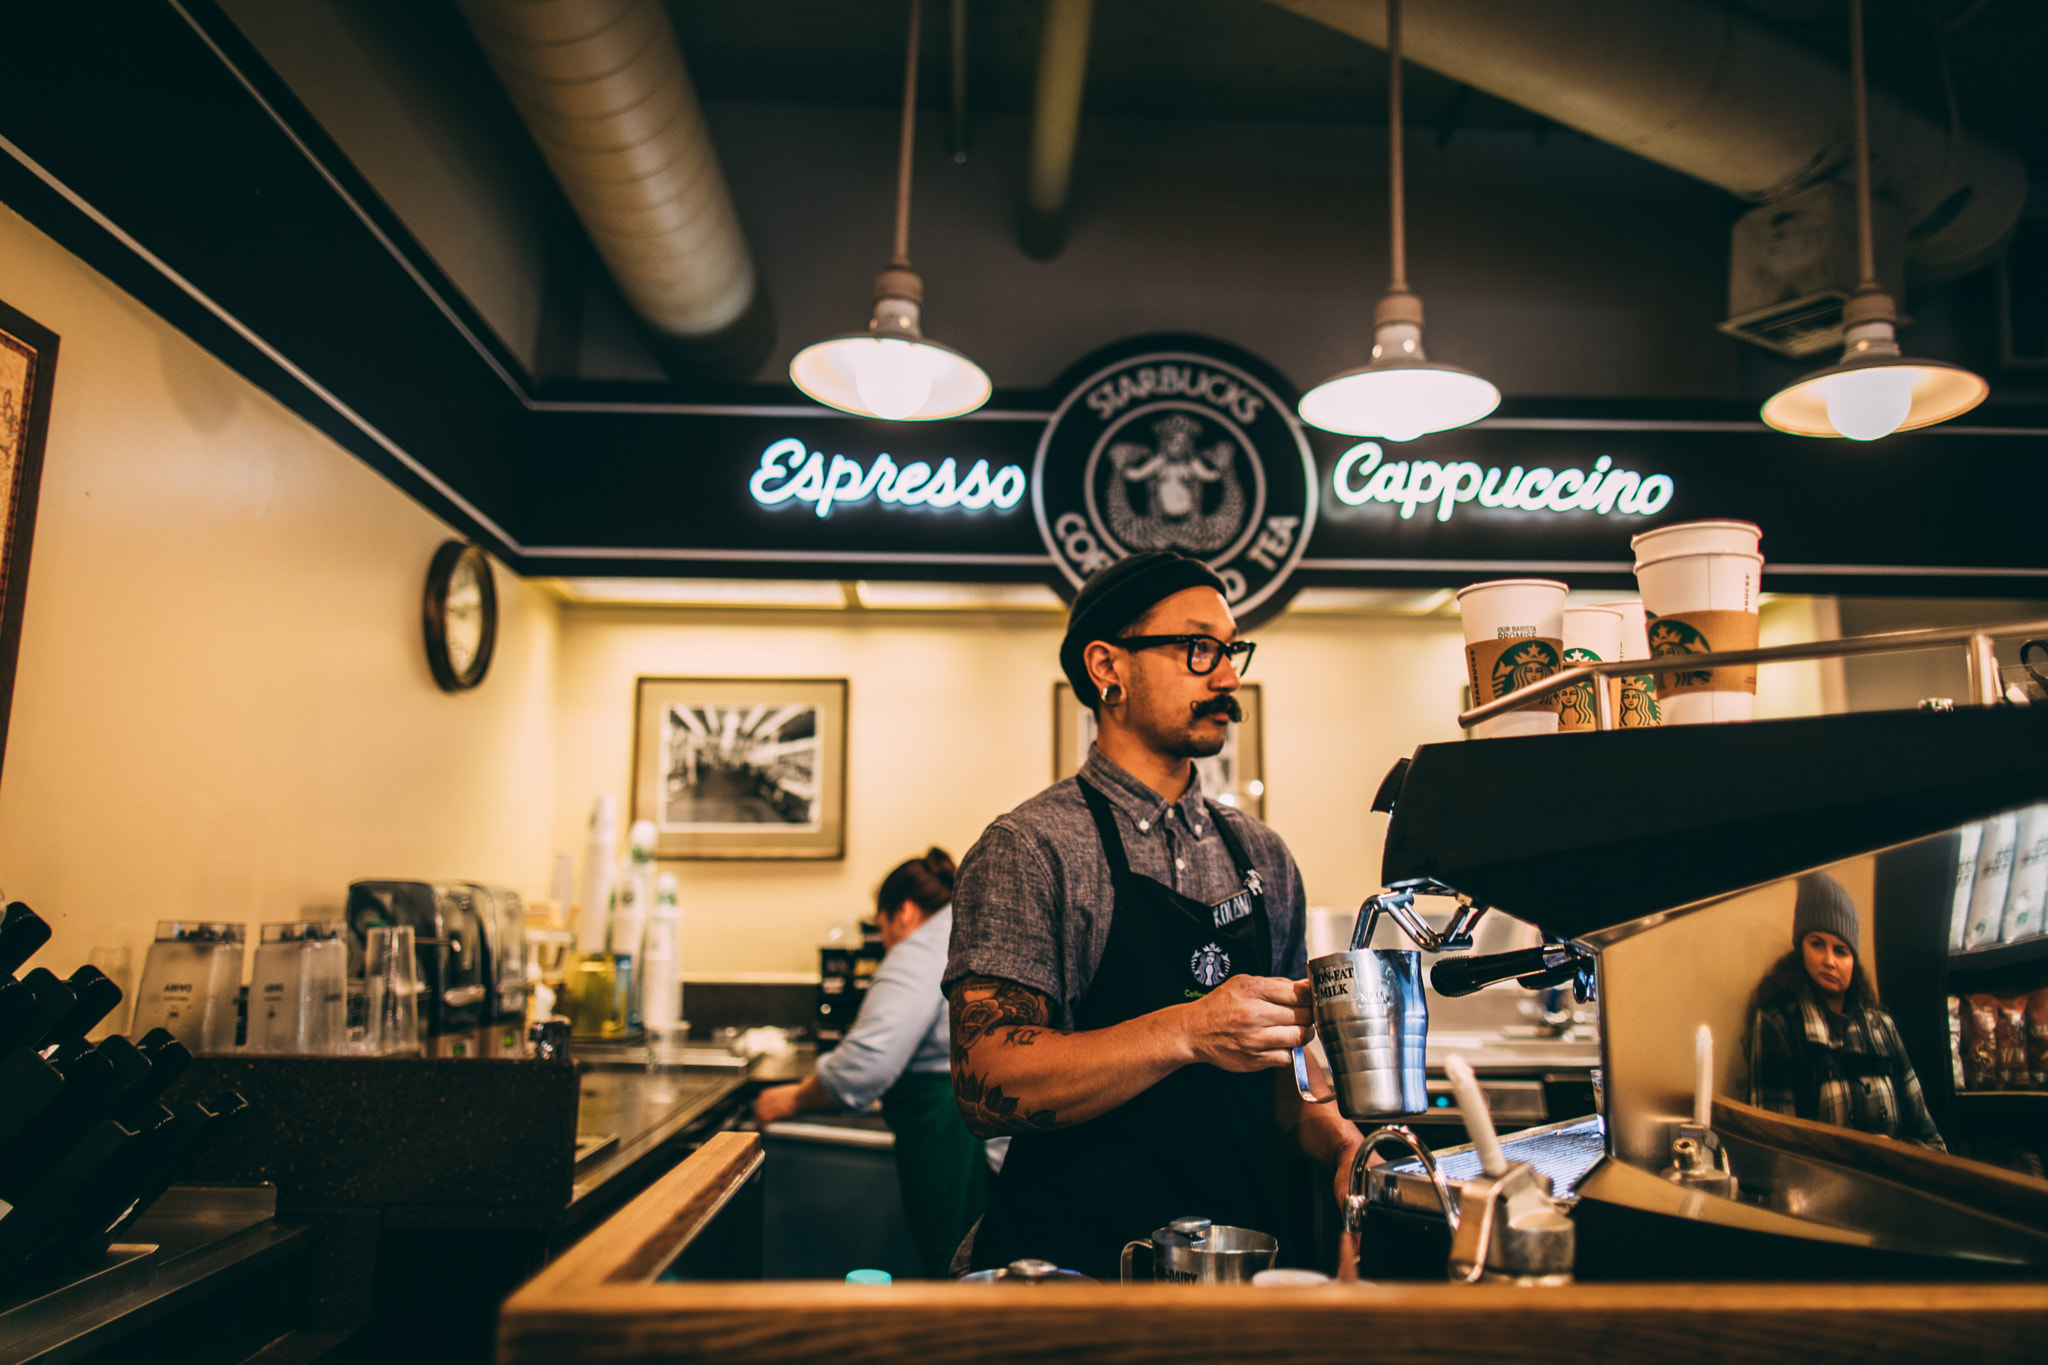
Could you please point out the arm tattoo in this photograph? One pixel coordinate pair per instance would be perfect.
(984, 1007)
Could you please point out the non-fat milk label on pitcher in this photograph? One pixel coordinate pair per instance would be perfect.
(1175, 450)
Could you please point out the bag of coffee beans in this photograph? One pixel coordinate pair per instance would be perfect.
(2012, 1044)
(1980, 1042)
(2037, 1039)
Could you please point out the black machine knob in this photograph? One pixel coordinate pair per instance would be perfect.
(22, 931)
(46, 1001)
(95, 994)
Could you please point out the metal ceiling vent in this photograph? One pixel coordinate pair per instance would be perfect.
(1718, 94)
(1792, 265)
(602, 88)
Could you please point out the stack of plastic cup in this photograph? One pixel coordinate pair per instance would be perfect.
(1700, 582)
(1514, 635)
(1635, 698)
(392, 976)
(1592, 635)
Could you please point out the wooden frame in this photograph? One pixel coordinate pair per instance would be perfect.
(28, 374)
(1238, 773)
(742, 767)
(603, 1301)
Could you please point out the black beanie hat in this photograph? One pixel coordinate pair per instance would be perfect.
(1118, 594)
(1824, 903)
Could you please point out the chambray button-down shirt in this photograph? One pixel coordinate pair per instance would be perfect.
(902, 1025)
(1033, 899)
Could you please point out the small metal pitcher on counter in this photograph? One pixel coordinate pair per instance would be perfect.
(1196, 1251)
(1373, 1016)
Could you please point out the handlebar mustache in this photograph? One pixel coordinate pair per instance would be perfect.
(1219, 706)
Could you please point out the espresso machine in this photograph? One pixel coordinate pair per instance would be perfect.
(449, 937)
(1661, 866)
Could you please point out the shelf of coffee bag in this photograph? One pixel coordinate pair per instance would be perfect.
(2004, 961)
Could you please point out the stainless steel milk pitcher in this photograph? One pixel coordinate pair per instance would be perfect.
(1374, 1023)
(1372, 1015)
(1196, 1251)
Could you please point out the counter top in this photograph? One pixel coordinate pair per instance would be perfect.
(606, 1300)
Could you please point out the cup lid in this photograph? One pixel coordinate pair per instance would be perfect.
(1514, 583)
(304, 931)
(1757, 555)
(1705, 524)
(199, 931)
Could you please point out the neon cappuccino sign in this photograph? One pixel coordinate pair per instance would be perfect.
(1361, 477)
(789, 471)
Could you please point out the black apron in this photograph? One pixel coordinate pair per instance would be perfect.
(1200, 1142)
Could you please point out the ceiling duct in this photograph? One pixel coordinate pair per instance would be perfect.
(602, 88)
(1714, 93)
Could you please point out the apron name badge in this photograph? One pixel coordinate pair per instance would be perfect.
(1232, 910)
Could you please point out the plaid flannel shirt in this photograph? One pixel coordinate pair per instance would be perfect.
(1848, 1070)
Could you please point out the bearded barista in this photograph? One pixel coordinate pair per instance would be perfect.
(1124, 976)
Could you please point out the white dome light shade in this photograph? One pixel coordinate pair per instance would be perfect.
(1399, 402)
(1877, 397)
(890, 378)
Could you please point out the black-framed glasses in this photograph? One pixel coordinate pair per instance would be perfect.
(1204, 651)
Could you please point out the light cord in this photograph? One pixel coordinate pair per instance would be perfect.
(1397, 237)
(1866, 253)
(901, 259)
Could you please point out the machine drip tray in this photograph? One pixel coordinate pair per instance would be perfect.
(1565, 1152)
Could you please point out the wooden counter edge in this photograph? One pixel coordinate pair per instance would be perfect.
(637, 1242)
(747, 1323)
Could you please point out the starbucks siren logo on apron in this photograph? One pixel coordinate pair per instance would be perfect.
(1210, 964)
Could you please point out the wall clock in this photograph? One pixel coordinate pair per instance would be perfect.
(460, 616)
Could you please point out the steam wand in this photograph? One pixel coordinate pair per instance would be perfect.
(1457, 935)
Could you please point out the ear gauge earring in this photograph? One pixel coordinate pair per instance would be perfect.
(1113, 695)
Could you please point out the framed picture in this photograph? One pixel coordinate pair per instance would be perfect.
(1236, 776)
(28, 369)
(742, 767)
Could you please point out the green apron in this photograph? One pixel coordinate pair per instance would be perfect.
(941, 1168)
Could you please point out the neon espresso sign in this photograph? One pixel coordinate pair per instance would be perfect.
(789, 471)
(1361, 477)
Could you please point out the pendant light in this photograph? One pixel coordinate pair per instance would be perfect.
(891, 371)
(1401, 394)
(1874, 391)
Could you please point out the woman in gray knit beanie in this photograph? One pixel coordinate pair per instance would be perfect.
(1820, 1045)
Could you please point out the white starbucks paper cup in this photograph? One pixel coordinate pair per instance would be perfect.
(1635, 699)
(1696, 537)
(1701, 603)
(1591, 635)
(1514, 635)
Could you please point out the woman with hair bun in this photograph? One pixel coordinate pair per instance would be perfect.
(899, 1050)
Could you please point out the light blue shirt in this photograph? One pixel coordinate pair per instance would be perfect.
(902, 1024)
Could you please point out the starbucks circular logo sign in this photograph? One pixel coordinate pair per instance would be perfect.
(1178, 450)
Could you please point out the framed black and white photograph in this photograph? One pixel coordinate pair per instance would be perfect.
(1236, 776)
(28, 370)
(742, 767)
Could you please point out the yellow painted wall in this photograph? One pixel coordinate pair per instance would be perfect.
(951, 724)
(222, 709)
